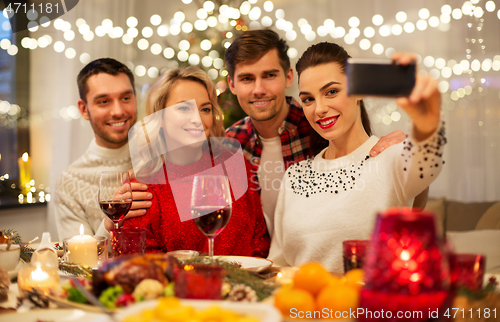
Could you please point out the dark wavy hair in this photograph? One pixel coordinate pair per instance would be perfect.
(323, 53)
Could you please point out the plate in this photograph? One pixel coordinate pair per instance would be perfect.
(254, 264)
(55, 315)
(262, 311)
(64, 303)
(60, 252)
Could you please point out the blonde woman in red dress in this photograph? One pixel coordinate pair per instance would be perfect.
(183, 154)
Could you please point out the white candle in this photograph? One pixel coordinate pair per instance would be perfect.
(82, 249)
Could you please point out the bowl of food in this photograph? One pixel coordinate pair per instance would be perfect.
(173, 309)
(9, 258)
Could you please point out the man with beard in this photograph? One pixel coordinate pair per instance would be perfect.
(275, 134)
(108, 101)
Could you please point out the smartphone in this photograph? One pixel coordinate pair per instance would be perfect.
(375, 77)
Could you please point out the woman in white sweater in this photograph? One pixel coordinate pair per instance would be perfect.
(335, 196)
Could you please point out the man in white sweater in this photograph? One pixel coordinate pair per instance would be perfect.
(108, 101)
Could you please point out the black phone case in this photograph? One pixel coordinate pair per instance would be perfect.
(380, 79)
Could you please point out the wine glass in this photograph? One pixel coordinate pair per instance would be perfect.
(211, 206)
(115, 195)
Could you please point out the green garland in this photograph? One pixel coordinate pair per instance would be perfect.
(27, 251)
(479, 294)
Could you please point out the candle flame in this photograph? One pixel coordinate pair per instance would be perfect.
(415, 277)
(477, 264)
(39, 274)
(25, 157)
(81, 230)
(405, 255)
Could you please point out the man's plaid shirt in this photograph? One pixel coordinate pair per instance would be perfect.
(294, 133)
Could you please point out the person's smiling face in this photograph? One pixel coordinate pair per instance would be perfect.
(111, 108)
(323, 92)
(260, 86)
(185, 123)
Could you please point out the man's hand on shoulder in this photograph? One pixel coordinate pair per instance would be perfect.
(386, 141)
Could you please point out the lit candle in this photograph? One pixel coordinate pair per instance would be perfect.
(24, 164)
(82, 249)
(37, 277)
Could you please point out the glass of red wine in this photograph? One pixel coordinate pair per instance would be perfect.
(115, 195)
(211, 206)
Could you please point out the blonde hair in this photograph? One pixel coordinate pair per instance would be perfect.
(160, 91)
(156, 101)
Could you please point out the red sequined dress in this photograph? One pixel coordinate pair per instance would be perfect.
(245, 234)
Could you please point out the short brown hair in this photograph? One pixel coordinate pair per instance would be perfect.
(102, 65)
(254, 44)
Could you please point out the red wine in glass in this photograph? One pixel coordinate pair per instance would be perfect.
(211, 221)
(115, 210)
(115, 195)
(211, 206)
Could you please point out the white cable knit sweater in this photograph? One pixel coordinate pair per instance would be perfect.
(76, 190)
(324, 202)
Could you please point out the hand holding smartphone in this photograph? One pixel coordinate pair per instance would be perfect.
(375, 77)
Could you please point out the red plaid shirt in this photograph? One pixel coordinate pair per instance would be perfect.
(294, 133)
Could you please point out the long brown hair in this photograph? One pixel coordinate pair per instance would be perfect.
(323, 53)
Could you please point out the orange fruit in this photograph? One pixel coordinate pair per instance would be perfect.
(355, 277)
(311, 277)
(333, 281)
(340, 297)
(288, 298)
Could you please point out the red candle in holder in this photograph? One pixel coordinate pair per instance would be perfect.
(406, 269)
(126, 241)
(353, 253)
(198, 281)
(468, 270)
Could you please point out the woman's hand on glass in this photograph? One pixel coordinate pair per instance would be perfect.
(423, 105)
(140, 204)
(141, 200)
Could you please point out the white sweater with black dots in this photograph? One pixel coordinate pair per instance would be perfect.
(324, 202)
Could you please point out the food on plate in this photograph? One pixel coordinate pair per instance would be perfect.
(129, 271)
(125, 280)
(109, 297)
(314, 291)
(148, 289)
(171, 309)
